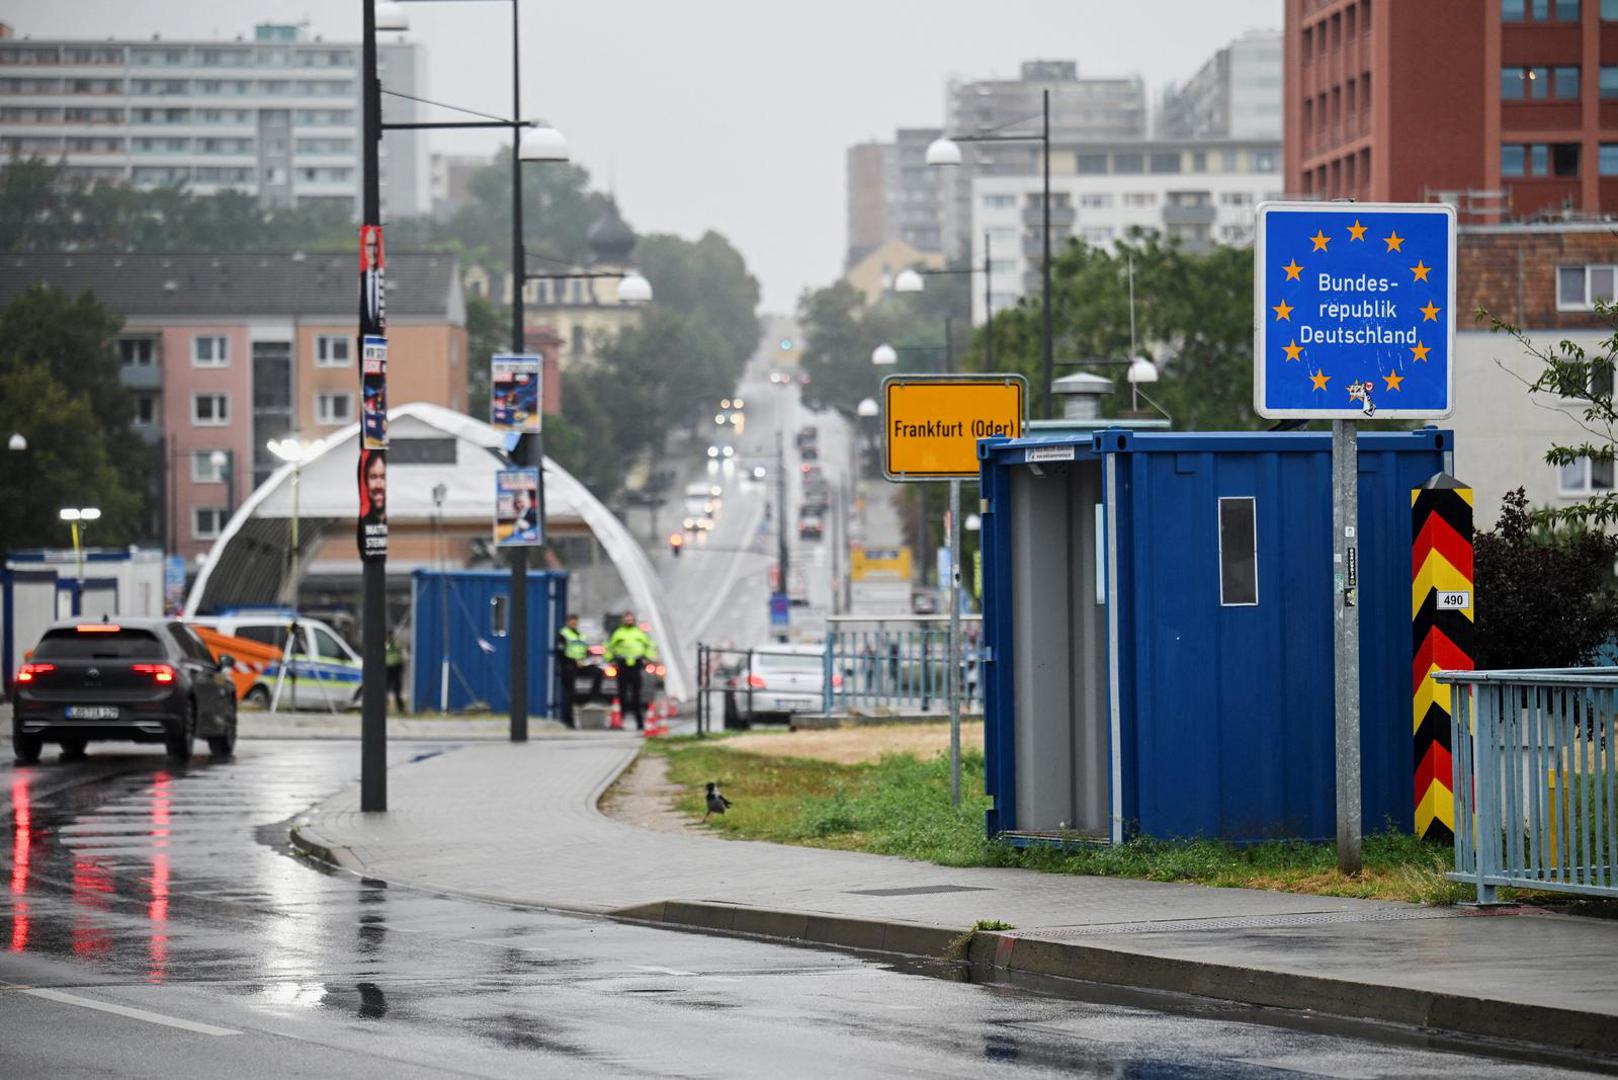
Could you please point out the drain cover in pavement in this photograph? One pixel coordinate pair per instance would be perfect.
(918, 890)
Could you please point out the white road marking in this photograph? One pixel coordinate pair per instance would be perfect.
(662, 970)
(132, 1013)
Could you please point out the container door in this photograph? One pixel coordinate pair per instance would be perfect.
(1059, 651)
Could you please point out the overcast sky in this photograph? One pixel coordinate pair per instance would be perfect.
(724, 114)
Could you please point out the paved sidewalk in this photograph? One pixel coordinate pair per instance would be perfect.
(519, 824)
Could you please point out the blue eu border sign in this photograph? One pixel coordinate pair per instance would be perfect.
(1354, 310)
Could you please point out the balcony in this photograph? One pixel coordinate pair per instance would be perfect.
(1062, 215)
(1188, 216)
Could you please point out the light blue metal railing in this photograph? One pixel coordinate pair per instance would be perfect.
(1535, 779)
(900, 664)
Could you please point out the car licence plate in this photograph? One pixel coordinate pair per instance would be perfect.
(92, 712)
(792, 703)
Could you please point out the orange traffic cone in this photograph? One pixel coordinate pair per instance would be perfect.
(617, 716)
(653, 723)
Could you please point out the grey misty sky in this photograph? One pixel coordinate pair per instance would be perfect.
(726, 114)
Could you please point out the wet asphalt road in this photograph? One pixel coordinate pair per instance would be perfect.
(154, 923)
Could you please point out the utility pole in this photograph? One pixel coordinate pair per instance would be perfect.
(1346, 641)
(374, 616)
(522, 455)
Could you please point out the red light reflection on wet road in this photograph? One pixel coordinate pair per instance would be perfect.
(22, 839)
(158, 909)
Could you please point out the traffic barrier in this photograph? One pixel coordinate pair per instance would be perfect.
(1441, 606)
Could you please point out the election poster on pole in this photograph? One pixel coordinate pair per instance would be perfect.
(516, 516)
(515, 385)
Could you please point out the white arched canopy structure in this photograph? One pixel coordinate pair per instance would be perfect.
(428, 445)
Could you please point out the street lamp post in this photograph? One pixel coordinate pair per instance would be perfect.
(294, 452)
(77, 518)
(224, 467)
(915, 281)
(947, 151)
(539, 144)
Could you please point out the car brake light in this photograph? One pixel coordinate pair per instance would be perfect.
(611, 669)
(756, 682)
(162, 673)
(27, 672)
(596, 650)
(836, 679)
(98, 628)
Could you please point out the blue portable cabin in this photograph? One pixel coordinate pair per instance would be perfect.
(474, 607)
(1144, 679)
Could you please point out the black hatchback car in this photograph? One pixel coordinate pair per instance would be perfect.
(140, 680)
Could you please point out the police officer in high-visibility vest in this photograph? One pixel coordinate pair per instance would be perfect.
(630, 647)
(572, 650)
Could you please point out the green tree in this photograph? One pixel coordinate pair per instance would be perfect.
(488, 331)
(67, 463)
(708, 282)
(1545, 595)
(558, 210)
(1193, 317)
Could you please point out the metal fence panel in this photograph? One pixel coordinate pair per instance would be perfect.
(1536, 780)
(900, 664)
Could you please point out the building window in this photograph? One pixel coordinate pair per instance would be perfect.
(210, 410)
(202, 467)
(145, 410)
(334, 407)
(1265, 161)
(207, 351)
(333, 350)
(1567, 10)
(1579, 287)
(207, 522)
(1140, 199)
(1095, 200)
(1609, 10)
(1564, 159)
(1236, 198)
(1584, 477)
(1238, 553)
(1164, 163)
(1091, 164)
(1539, 83)
(578, 340)
(1098, 234)
(1609, 81)
(999, 202)
(137, 352)
(1128, 163)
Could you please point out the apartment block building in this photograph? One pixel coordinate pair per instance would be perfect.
(226, 352)
(1509, 108)
(1082, 110)
(1236, 94)
(1195, 192)
(276, 116)
(893, 194)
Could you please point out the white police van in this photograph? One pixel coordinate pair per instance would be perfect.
(321, 670)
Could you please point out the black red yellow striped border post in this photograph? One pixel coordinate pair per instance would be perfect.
(1441, 614)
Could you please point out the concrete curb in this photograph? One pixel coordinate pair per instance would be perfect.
(997, 955)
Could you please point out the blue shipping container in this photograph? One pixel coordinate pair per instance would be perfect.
(1158, 609)
(471, 611)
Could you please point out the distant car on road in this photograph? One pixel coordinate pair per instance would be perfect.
(810, 529)
(784, 680)
(137, 680)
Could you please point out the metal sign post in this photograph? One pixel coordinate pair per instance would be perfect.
(1346, 638)
(951, 533)
(930, 431)
(1353, 314)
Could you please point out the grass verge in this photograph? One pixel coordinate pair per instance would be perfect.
(900, 806)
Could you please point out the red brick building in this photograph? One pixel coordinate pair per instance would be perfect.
(1399, 101)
